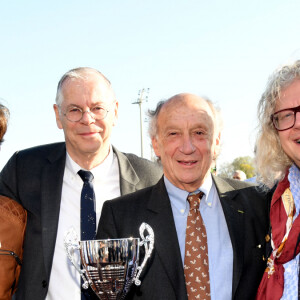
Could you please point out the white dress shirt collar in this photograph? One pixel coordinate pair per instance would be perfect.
(99, 172)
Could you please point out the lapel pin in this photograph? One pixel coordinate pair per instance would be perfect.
(267, 238)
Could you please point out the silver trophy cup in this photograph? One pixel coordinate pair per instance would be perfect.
(110, 266)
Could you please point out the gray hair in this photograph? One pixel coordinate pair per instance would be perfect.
(271, 161)
(77, 73)
(153, 116)
(4, 116)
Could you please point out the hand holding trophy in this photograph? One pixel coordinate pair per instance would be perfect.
(110, 266)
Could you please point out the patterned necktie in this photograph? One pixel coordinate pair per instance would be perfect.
(196, 270)
(87, 207)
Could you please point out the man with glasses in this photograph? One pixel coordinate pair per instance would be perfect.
(278, 166)
(46, 181)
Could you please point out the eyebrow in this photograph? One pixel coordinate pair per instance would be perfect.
(93, 105)
(295, 108)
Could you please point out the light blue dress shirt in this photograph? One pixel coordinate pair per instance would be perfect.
(220, 253)
(291, 268)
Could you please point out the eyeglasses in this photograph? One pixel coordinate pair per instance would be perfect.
(285, 119)
(8, 252)
(75, 114)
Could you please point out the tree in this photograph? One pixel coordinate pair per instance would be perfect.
(243, 163)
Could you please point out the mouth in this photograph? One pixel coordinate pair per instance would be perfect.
(187, 163)
(88, 133)
(298, 141)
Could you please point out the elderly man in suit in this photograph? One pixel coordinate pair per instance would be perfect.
(214, 250)
(45, 180)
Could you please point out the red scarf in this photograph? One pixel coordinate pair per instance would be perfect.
(271, 286)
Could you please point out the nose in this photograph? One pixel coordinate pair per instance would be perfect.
(87, 118)
(187, 146)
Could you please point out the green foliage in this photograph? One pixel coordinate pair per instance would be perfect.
(243, 163)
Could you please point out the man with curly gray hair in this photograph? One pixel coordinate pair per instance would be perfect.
(278, 162)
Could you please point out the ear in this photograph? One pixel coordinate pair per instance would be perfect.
(57, 116)
(218, 139)
(116, 109)
(217, 145)
(155, 146)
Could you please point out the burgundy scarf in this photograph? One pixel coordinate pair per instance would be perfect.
(271, 286)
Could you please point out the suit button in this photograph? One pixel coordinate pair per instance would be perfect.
(44, 283)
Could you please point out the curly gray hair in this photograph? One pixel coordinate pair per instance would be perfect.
(4, 116)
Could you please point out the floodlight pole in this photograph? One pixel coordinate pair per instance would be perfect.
(142, 96)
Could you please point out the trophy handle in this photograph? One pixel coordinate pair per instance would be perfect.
(71, 243)
(148, 243)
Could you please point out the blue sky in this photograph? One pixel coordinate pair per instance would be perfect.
(224, 50)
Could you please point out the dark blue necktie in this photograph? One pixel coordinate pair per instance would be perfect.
(87, 207)
(87, 218)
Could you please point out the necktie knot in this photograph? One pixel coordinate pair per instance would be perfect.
(194, 199)
(86, 176)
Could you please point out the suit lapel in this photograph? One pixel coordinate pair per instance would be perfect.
(128, 177)
(51, 187)
(234, 215)
(166, 241)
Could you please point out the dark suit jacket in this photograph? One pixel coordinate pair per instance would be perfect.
(33, 177)
(246, 214)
